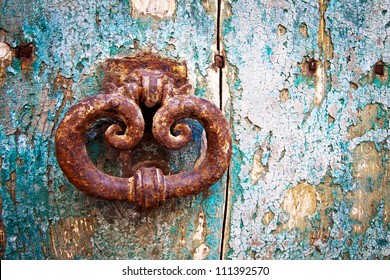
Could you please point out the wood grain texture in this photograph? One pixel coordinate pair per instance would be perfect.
(310, 120)
(57, 47)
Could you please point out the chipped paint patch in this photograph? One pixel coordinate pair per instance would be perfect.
(42, 112)
(364, 204)
(369, 172)
(372, 116)
(156, 8)
(267, 218)
(5, 60)
(299, 202)
(201, 252)
(303, 30)
(324, 38)
(210, 83)
(259, 168)
(11, 185)
(284, 95)
(3, 34)
(386, 214)
(320, 82)
(367, 164)
(5, 51)
(199, 232)
(327, 194)
(281, 30)
(72, 238)
(210, 6)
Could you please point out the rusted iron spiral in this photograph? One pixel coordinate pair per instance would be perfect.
(71, 151)
(148, 187)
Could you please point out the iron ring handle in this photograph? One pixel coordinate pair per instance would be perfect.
(149, 187)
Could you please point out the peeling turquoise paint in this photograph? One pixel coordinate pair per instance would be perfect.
(309, 142)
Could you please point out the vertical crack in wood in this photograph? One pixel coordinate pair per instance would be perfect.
(219, 49)
(225, 208)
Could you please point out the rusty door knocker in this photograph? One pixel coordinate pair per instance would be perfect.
(150, 81)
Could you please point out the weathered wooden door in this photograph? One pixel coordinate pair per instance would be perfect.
(305, 85)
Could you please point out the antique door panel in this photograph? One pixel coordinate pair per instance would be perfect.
(305, 86)
(309, 97)
(51, 52)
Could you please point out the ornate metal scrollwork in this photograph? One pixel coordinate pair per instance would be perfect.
(150, 81)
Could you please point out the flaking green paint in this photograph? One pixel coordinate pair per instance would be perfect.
(305, 147)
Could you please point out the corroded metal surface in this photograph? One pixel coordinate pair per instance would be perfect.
(70, 143)
(151, 81)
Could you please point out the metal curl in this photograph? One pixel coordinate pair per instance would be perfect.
(70, 147)
(218, 152)
(147, 81)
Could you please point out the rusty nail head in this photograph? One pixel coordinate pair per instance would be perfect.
(24, 52)
(312, 65)
(379, 68)
(219, 61)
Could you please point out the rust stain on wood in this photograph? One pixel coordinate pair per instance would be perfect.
(309, 67)
(11, 184)
(25, 53)
(378, 72)
(379, 68)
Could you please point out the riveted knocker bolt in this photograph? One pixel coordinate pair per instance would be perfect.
(151, 81)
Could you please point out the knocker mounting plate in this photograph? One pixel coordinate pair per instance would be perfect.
(129, 85)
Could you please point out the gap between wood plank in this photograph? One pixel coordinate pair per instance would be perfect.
(219, 49)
